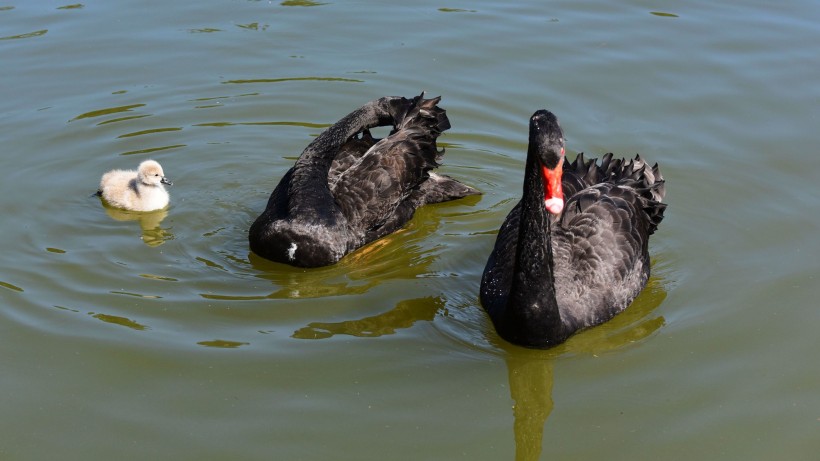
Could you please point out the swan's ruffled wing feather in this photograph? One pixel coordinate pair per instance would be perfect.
(350, 153)
(370, 191)
(380, 191)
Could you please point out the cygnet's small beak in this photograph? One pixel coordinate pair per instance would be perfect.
(165, 180)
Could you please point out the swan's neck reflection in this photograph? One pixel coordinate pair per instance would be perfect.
(531, 371)
(531, 390)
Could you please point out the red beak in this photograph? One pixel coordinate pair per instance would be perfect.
(553, 193)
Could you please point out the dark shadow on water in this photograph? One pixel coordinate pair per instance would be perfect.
(394, 257)
(403, 255)
(397, 256)
(152, 233)
(404, 315)
(531, 371)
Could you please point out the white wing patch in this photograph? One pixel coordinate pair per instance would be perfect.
(292, 251)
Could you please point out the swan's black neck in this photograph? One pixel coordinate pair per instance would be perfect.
(531, 315)
(321, 152)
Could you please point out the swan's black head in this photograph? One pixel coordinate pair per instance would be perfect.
(547, 145)
(546, 138)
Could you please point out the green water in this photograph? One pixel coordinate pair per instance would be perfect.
(160, 337)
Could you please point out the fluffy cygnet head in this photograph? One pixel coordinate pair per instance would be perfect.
(150, 173)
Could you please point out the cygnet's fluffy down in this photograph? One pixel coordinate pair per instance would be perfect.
(140, 190)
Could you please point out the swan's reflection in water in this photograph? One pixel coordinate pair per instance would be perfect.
(152, 233)
(531, 381)
(531, 371)
(404, 315)
(402, 255)
(394, 257)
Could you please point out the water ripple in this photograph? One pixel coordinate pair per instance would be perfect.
(306, 3)
(281, 123)
(11, 287)
(222, 344)
(151, 150)
(293, 79)
(107, 111)
(406, 314)
(122, 321)
(37, 33)
(151, 131)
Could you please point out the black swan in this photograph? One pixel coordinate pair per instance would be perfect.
(348, 189)
(558, 268)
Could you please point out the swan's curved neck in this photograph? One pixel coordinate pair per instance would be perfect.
(322, 150)
(532, 311)
(309, 194)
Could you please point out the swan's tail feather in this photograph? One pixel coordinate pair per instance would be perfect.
(421, 125)
(441, 188)
(425, 113)
(650, 186)
(423, 122)
(606, 163)
(655, 212)
(587, 170)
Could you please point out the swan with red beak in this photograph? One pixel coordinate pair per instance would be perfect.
(558, 267)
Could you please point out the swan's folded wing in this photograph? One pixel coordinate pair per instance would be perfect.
(498, 273)
(349, 153)
(371, 190)
(600, 250)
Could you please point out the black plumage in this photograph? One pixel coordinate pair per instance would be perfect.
(550, 275)
(348, 189)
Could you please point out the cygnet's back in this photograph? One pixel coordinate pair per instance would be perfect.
(140, 190)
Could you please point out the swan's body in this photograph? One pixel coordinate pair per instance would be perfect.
(140, 190)
(348, 189)
(557, 267)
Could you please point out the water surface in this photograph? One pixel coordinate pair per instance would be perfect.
(136, 336)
